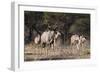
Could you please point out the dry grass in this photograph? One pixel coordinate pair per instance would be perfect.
(35, 52)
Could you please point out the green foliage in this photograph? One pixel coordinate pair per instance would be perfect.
(64, 22)
(81, 25)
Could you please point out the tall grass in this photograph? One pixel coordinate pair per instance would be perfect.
(36, 52)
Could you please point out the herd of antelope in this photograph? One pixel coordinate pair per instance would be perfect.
(51, 37)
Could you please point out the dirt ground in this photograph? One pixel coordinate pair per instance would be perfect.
(34, 52)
